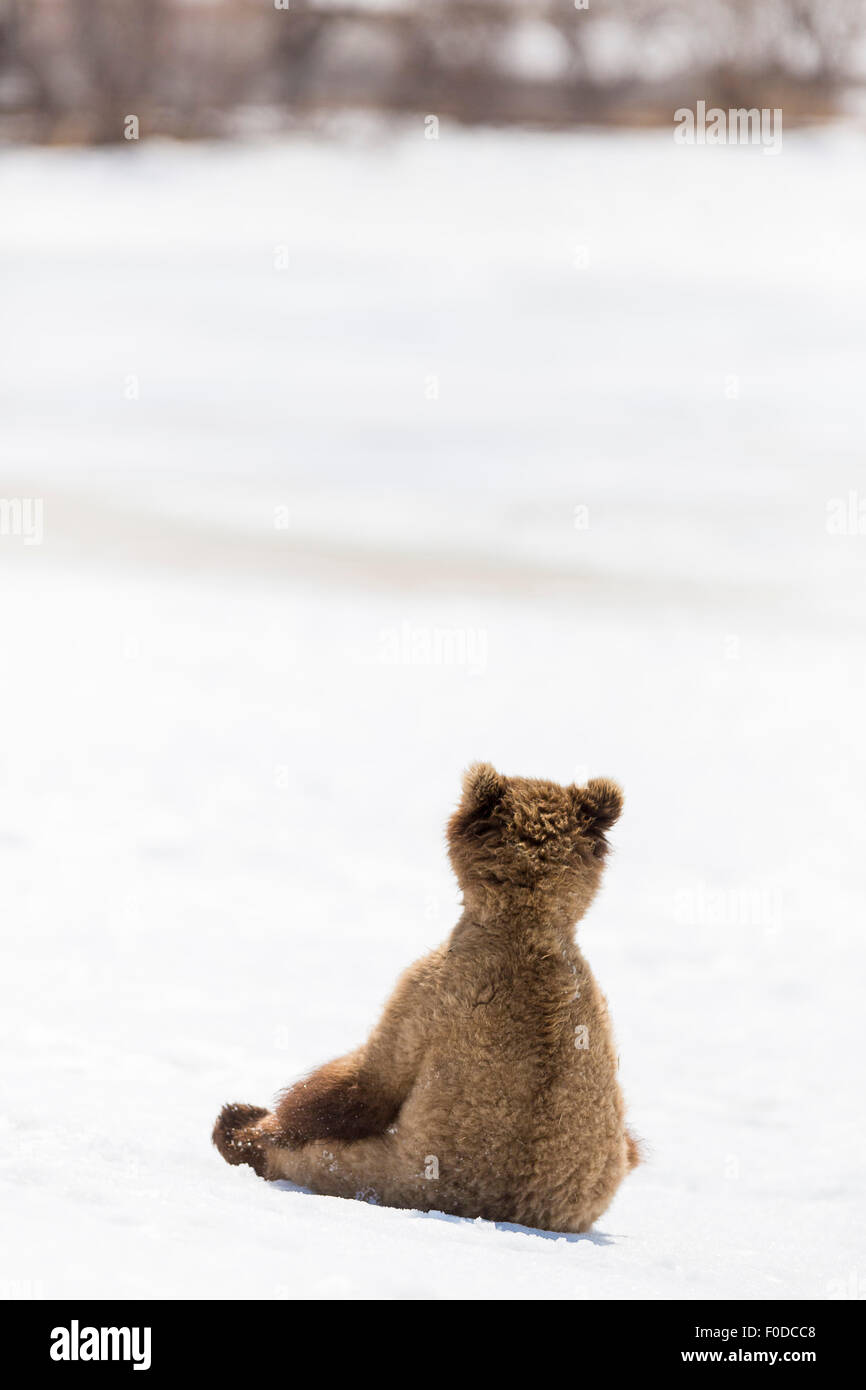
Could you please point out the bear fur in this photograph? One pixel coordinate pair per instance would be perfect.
(489, 1086)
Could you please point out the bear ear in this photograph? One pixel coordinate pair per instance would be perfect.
(482, 787)
(599, 805)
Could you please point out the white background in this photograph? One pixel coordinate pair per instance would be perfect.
(222, 804)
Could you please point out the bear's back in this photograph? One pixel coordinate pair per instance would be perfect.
(516, 1102)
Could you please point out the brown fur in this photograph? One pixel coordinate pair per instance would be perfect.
(489, 1086)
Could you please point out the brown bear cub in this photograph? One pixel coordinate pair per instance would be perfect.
(489, 1086)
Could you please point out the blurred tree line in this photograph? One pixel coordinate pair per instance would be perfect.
(74, 70)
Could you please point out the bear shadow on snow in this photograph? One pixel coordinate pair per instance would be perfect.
(507, 1227)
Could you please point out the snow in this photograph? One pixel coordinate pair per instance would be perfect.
(445, 487)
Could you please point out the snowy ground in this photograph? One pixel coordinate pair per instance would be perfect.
(361, 460)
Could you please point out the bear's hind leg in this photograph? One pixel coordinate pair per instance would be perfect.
(242, 1137)
(341, 1100)
(374, 1170)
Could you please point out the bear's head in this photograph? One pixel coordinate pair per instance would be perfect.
(520, 843)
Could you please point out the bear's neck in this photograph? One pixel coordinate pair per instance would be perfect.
(540, 915)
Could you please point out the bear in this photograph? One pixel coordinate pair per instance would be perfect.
(489, 1086)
